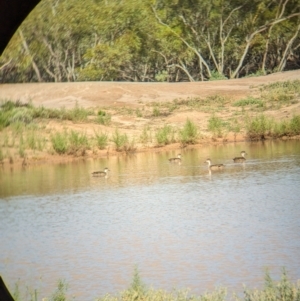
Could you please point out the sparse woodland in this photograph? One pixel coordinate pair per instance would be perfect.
(153, 40)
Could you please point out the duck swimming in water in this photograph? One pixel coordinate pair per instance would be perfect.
(176, 160)
(101, 173)
(240, 159)
(214, 166)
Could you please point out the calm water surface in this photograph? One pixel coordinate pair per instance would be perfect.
(182, 226)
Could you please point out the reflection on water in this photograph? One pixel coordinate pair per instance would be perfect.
(181, 224)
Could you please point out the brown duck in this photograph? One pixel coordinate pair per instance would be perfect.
(176, 159)
(214, 166)
(240, 159)
(103, 173)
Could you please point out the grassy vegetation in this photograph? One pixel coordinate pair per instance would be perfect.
(281, 93)
(60, 142)
(146, 135)
(281, 290)
(120, 140)
(101, 140)
(189, 133)
(103, 117)
(25, 130)
(261, 126)
(249, 101)
(216, 126)
(165, 135)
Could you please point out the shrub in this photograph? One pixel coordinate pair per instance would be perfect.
(164, 135)
(119, 140)
(294, 125)
(189, 133)
(60, 142)
(78, 143)
(235, 127)
(78, 114)
(258, 127)
(215, 75)
(101, 140)
(215, 125)
(103, 118)
(145, 135)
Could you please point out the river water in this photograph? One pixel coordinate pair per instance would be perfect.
(182, 226)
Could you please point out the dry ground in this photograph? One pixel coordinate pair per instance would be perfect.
(124, 99)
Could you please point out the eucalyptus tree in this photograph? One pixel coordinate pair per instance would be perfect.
(225, 35)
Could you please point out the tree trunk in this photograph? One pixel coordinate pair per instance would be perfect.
(34, 65)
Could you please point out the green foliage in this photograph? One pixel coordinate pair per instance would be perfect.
(258, 127)
(286, 127)
(162, 76)
(156, 112)
(249, 101)
(274, 291)
(101, 140)
(128, 41)
(255, 74)
(279, 93)
(145, 136)
(78, 114)
(189, 133)
(216, 125)
(215, 75)
(78, 143)
(60, 142)
(164, 135)
(119, 140)
(137, 285)
(103, 117)
(60, 293)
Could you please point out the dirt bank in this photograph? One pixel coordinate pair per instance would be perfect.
(131, 106)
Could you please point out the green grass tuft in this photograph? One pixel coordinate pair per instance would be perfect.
(101, 140)
(164, 135)
(189, 133)
(119, 140)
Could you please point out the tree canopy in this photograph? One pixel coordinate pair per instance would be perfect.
(153, 40)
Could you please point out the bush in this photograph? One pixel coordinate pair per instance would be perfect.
(164, 135)
(60, 142)
(258, 127)
(78, 114)
(215, 125)
(145, 136)
(101, 140)
(119, 140)
(189, 133)
(103, 118)
(294, 125)
(215, 75)
(78, 143)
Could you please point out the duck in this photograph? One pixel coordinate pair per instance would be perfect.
(176, 159)
(240, 159)
(103, 173)
(215, 166)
